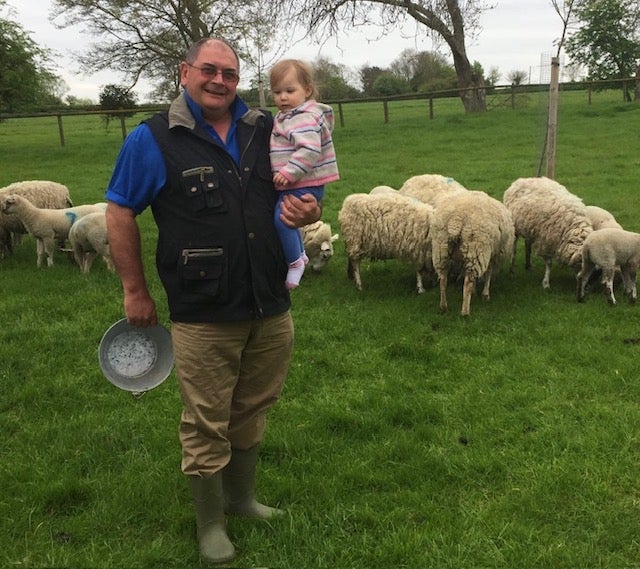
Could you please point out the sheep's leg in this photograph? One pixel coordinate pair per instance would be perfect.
(442, 277)
(513, 256)
(88, 261)
(582, 279)
(527, 254)
(109, 262)
(547, 273)
(630, 285)
(39, 252)
(353, 270)
(467, 292)
(419, 283)
(49, 247)
(607, 281)
(486, 295)
(78, 257)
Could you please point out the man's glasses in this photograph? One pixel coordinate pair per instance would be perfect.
(211, 72)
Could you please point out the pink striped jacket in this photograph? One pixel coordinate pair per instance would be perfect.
(302, 147)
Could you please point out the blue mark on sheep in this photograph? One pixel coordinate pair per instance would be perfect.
(71, 216)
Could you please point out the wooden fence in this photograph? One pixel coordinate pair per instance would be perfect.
(510, 91)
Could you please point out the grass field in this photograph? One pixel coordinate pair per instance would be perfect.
(405, 438)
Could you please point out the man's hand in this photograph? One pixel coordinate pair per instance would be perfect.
(297, 212)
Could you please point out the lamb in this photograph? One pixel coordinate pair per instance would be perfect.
(430, 188)
(88, 238)
(472, 233)
(46, 226)
(552, 221)
(385, 226)
(610, 249)
(41, 193)
(318, 244)
(601, 218)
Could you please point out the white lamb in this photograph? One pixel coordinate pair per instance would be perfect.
(41, 193)
(385, 226)
(46, 226)
(473, 234)
(318, 244)
(430, 188)
(88, 238)
(610, 249)
(550, 219)
(601, 218)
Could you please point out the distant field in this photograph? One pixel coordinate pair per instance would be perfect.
(404, 438)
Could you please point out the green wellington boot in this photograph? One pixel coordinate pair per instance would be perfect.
(213, 542)
(238, 479)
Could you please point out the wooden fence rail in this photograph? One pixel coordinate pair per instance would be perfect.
(512, 91)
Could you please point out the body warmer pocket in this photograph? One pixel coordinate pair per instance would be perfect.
(202, 187)
(203, 274)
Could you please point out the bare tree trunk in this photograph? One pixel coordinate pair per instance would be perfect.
(472, 88)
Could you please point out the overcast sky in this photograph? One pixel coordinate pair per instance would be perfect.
(516, 35)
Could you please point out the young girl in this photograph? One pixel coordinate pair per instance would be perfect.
(303, 159)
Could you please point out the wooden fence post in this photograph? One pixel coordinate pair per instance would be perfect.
(385, 105)
(60, 129)
(341, 114)
(431, 108)
(123, 127)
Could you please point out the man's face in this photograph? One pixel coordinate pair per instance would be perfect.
(212, 79)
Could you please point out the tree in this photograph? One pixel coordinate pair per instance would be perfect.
(148, 38)
(331, 80)
(390, 84)
(446, 20)
(424, 70)
(516, 77)
(607, 42)
(114, 97)
(368, 76)
(26, 81)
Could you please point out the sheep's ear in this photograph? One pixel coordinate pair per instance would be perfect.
(334, 238)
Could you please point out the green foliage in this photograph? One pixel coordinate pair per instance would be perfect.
(26, 81)
(607, 42)
(387, 84)
(404, 437)
(117, 97)
(331, 80)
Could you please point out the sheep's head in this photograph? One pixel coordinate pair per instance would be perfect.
(318, 244)
(8, 204)
(321, 257)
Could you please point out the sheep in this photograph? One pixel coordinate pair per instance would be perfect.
(473, 233)
(41, 193)
(46, 226)
(88, 238)
(610, 249)
(551, 220)
(385, 226)
(430, 188)
(383, 190)
(601, 218)
(318, 244)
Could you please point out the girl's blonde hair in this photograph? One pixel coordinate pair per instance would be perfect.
(304, 73)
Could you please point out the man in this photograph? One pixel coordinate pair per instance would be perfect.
(204, 169)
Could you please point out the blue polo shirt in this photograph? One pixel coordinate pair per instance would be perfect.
(140, 172)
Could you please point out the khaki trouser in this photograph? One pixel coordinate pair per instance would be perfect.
(230, 374)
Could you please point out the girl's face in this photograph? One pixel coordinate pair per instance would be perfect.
(289, 93)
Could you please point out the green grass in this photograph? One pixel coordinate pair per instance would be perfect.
(404, 438)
